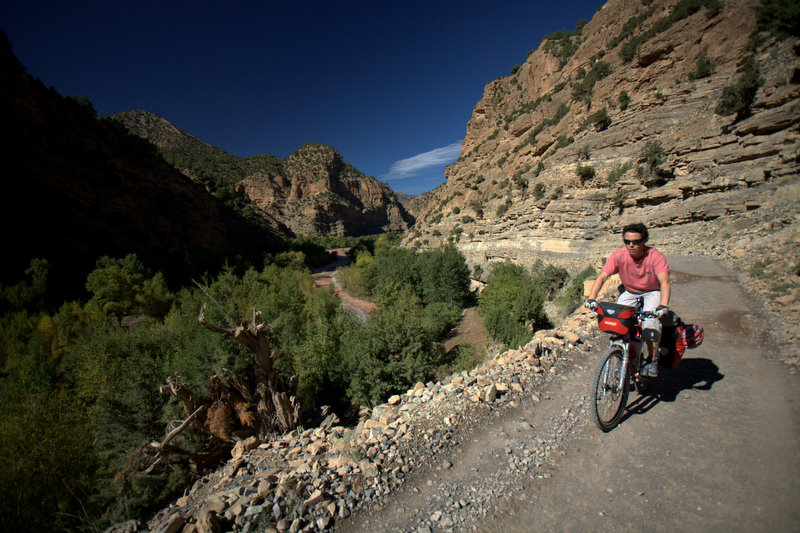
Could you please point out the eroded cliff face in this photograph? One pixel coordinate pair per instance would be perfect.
(556, 159)
(318, 194)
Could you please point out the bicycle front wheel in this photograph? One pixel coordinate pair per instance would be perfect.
(607, 397)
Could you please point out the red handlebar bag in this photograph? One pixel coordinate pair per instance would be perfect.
(615, 318)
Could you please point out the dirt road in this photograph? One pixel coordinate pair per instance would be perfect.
(324, 276)
(718, 447)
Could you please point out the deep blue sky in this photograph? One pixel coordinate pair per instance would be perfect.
(380, 82)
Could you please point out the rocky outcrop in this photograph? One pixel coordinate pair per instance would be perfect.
(320, 194)
(556, 160)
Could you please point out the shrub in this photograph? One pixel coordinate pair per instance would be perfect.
(704, 67)
(456, 210)
(600, 119)
(466, 219)
(560, 45)
(738, 97)
(562, 141)
(538, 191)
(652, 154)
(514, 69)
(583, 90)
(467, 357)
(511, 305)
(618, 171)
(585, 172)
(548, 278)
(681, 10)
(477, 206)
(624, 100)
(502, 208)
(573, 296)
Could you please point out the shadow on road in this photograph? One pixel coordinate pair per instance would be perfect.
(691, 374)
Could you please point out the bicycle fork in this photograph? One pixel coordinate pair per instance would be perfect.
(623, 373)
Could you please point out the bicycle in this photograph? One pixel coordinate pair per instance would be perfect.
(619, 369)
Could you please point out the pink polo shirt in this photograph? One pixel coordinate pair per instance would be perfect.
(637, 276)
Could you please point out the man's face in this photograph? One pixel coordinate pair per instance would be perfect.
(634, 244)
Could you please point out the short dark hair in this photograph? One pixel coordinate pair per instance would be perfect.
(636, 228)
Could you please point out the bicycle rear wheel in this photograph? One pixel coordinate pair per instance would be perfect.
(607, 398)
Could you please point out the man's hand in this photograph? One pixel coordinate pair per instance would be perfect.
(661, 311)
(591, 304)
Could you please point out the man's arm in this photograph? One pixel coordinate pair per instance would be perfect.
(598, 284)
(665, 287)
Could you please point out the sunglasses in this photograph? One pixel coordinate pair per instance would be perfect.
(634, 241)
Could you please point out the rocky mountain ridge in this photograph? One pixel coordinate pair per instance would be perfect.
(312, 192)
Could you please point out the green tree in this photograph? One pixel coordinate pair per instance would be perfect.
(511, 305)
(395, 353)
(443, 276)
(28, 294)
(125, 286)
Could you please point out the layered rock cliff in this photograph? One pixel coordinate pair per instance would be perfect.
(312, 192)
(620, 121)
(318, 193)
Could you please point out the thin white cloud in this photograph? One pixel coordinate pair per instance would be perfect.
(411, 166)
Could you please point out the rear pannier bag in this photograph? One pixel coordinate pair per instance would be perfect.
(673, 345)
(615, 318)
(675, 339)
(693, 334)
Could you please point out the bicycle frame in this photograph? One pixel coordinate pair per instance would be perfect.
(632, 357)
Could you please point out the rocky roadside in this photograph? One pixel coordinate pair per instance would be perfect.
(308, 479)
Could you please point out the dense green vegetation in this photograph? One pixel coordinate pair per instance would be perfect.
(80, 382)
(781, 18)
(512, 304)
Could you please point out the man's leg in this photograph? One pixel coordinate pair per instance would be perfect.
(651, 331)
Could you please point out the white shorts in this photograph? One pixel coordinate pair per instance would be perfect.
(651, 301)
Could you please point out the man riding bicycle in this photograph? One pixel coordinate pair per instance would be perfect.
(644, 273)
